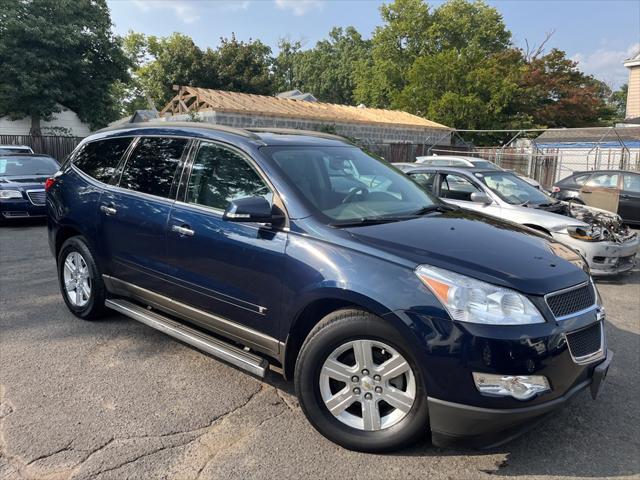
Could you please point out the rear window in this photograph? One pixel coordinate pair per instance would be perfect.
(8, 150)
(152, 165)
(100, 159)
(24, 165)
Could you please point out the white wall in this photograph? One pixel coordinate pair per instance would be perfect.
(66, 119)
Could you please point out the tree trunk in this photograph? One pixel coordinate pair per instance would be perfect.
(35, 126)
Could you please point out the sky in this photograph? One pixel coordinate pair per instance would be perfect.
(598, 34)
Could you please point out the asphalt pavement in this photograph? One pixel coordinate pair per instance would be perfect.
(114, 399)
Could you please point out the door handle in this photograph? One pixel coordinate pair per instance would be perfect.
(108, 210)
(624, 195)
(183, 230)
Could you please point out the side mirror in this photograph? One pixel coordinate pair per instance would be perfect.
(481, 197)
(248, 209)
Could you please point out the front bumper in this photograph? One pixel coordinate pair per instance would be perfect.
(455, 424)
(605, 258)
(20, 208)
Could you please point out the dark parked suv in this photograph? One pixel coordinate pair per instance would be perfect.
(579, 187)
(393, 312)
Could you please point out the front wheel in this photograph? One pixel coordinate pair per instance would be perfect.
(359, 385)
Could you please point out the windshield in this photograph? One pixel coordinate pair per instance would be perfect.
(513, 189)
(20, 166)
(346, 185)
(7, 150)
(485, 164)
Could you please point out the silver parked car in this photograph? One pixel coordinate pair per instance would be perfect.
(607, 245)
(470, 162)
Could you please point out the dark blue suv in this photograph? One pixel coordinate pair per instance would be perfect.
(393, 312)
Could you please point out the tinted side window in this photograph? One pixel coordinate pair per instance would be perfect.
(605, 180)
(424, 179)
(152, 165)
(580, 179)
(631, 182)
(220, 175)
(457, 188)
(100, 159)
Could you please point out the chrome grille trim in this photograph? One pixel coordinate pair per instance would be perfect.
(37, 197)
(591, 357)
(577, 312)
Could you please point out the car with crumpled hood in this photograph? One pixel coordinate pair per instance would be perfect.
(608, 246)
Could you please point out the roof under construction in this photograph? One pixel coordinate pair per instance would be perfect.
(193, 99)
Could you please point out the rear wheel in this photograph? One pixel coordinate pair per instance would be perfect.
(359, 385)
(80, 281)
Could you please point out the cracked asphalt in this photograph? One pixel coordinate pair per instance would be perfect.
(115, 399)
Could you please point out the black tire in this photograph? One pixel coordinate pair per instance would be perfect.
(337, 329)
(94, 308)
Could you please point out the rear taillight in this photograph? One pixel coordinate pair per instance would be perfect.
(49, 183)
(555, 189)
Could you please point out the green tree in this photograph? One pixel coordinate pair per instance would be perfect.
(327, 70)
(162, 62)
(618, 102)
(173, 60)
(241, 67)
(414, 39)
(394, 48)
(284, 65)
(59, 52)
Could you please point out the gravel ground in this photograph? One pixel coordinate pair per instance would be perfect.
(115, 399)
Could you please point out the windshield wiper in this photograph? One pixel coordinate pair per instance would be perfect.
(364, 221)
(434, 208)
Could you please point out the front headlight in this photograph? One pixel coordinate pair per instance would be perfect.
(591, 233)
(470, 300)
(6, 194)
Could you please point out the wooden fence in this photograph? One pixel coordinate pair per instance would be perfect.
(57, 147)
(407, 152)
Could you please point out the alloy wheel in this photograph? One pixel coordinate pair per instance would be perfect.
(77, 279)
(367, 385)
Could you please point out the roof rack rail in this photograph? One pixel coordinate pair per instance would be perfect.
(204, 125)
(295, 131)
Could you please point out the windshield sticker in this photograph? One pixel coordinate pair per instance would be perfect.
(3, 165)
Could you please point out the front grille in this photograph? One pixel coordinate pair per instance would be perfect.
(571, 301)
(37, 197)
(585, 343)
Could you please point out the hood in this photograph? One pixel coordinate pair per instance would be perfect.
(479, 246)
(535, 215)
(22, 181)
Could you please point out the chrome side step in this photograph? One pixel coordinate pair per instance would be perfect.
(224, 351)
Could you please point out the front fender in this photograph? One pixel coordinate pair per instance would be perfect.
(318, 271)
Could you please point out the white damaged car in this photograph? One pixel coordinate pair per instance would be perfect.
(608, 246)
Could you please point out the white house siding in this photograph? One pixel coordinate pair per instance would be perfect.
(66, 119)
